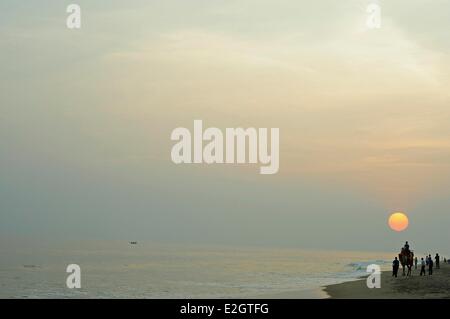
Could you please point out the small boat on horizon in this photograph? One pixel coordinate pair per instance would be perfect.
(133, 242)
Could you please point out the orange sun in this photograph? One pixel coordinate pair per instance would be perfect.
(398, 221)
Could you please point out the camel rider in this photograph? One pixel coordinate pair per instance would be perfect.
(406, 247)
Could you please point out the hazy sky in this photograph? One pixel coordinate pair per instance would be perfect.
(364, 118)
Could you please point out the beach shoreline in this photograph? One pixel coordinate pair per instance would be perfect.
(436, 286)
(317, 293)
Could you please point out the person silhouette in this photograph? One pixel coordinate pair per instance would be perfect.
(395, 266)
(405, 249)
(422, 267)
(430, 265)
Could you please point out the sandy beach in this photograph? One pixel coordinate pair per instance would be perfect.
(436, 286)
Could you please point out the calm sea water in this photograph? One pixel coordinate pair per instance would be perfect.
(148, 270)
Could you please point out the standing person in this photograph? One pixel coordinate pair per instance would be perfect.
(430, 265)
(422, 267)
(395, 266)
(437, 260)
(415, 262)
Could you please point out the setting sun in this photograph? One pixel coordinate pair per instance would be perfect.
(398, 221)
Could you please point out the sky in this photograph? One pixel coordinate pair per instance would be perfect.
(86, 117)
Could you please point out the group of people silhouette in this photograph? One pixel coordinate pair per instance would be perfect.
(426, 261)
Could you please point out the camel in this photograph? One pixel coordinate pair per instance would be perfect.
(406, 258)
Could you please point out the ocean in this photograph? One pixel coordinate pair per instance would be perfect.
(114, 269)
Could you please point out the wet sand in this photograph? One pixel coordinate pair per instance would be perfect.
(297, 294)
(436, 286)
